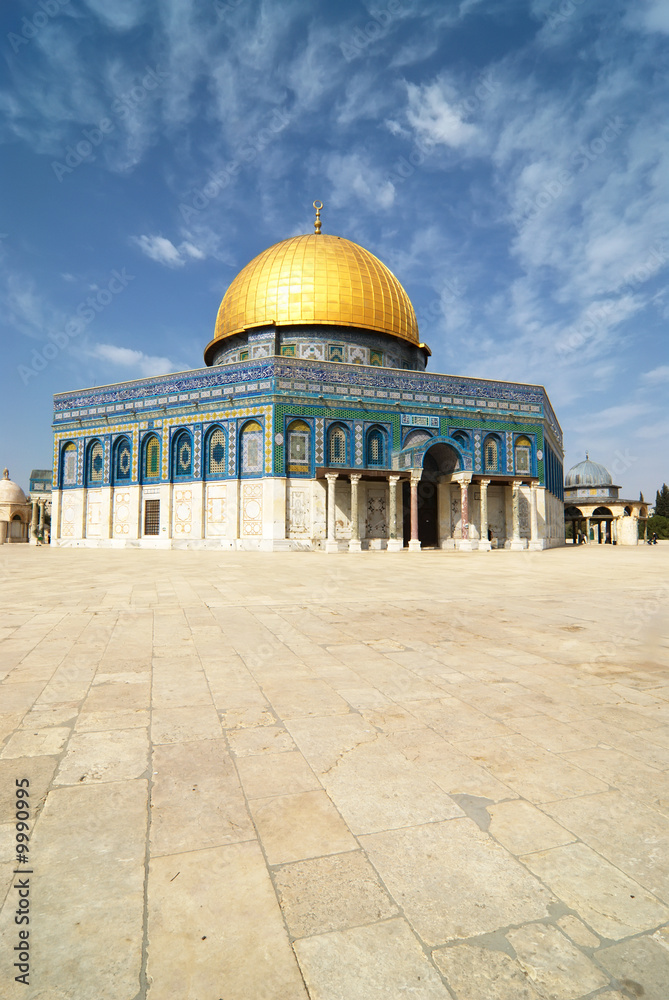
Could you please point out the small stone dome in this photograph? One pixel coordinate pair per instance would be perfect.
(588, 474)
(10, 492)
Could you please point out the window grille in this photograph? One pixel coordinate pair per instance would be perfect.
(216, 459)
(152, 517)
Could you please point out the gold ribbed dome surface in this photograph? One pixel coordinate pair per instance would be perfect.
(316, 279)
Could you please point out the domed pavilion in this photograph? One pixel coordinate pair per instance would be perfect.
(314, 424)
(593, 510)
(15, 511)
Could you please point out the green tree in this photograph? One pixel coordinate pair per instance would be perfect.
(659, 525)
(662, 501)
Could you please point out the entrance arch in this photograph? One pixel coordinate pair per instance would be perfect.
(440, 459)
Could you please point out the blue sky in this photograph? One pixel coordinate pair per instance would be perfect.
(508, 160)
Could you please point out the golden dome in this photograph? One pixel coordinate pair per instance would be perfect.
(315, 279)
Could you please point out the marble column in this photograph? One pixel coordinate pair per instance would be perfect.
(394, 543)
(535, 541)
(331, 541)
(414, 542)
(34, 522)
(517, 543)
(465, 543)
(587, 530)
(484, 544)
(354, 544)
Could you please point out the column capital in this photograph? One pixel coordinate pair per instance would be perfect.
(462, 478)
(331, 476)
(416, 475)
(394, 479)
(355, 478)
(484, 482)
(517, 483)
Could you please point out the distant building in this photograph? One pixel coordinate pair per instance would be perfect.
(15, 511)
(40, 484)
(593, 510)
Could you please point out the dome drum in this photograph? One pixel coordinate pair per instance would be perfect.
(346, 345)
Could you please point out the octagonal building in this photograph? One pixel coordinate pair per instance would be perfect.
(314, 424)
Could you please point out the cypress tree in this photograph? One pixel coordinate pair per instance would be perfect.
(662, 501)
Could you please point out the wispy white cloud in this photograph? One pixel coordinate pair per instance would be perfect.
(656, 376)
(355, 178)
(435, 116)
(138, 363)
(163, 251)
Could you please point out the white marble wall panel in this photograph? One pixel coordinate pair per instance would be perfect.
(121, 514)
(94, 514)
(251, 509)
(182, 512)
(216, 514)
(298, 510)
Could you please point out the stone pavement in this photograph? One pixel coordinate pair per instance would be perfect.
(288, 776)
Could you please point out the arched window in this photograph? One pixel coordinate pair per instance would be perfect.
(182, 456)
(375, 447)
(298, 448)
(416, 437)
(251, 448)
(68, 465)
(461, 438)
(151, 462)
(491, 453)
(337, 445)
(523, 454)
(627, 512)
(94, 464)
(122, 463)
(215, 453)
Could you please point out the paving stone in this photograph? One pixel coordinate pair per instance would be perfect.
(477, 973)
(453, 881)
(260, 740)
(641, 966)
(532, 772)
(368, 963)
(268, 774)
(521, 827)
(43, 742)
(128, 718)
(324, 740)
(304, 825)
(104, 756)
(553, 964)
(88, 914)
(375, 788)
(178, 725)
(578, 932)
(330, 893)
(453, 771)
(196, 799)
(614, 905)
(215, 929)
(627, 833)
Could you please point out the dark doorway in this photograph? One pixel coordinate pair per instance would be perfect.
(440, 460)
(428, 513)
